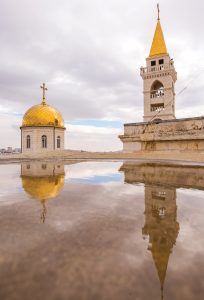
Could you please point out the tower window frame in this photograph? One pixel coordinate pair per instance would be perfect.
(157, 107)
(44, 141)
(153, 63)
(161, 61)
(28, 141)
(58, 142)
(157, 89)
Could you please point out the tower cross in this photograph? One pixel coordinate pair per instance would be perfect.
(158, 11)
(43, 87)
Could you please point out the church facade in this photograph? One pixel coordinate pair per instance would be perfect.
(42, 128)
(160, 130)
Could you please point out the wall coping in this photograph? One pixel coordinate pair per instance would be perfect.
(165, 121)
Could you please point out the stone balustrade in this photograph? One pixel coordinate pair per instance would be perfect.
(165, 67)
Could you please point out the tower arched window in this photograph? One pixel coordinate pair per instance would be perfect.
(58, 142)
(44, 141)
(28, 142)
(157, 89)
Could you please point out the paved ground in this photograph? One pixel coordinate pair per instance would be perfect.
(197, 156)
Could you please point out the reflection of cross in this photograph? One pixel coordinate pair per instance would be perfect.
(158, 11)
(44, 211)
(44, 89)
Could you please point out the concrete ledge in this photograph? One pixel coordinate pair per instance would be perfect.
(165, 121)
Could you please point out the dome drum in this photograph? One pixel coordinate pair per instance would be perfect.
(41, 139)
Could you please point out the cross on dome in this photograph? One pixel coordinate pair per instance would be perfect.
(43, 87)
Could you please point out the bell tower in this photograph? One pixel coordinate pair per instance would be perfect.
(159, 77)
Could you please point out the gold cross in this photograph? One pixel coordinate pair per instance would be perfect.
(158, 11)
(44, 89)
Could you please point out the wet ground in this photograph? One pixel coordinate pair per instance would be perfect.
(101, 230)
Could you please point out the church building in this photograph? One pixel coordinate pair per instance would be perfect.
(42, 128)
(160, 130)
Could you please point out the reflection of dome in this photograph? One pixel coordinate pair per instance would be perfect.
(43, 115)
(43, 188)
(42, 181)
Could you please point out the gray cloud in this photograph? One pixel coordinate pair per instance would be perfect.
(89, 54)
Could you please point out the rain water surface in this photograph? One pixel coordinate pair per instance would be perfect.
(101, 231)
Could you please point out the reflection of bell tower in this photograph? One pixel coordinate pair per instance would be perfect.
(159, 77)
(42, 181)
(161, 226)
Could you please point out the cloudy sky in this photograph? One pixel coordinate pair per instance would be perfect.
(89, 52)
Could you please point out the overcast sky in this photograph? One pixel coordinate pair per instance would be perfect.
(89, 52)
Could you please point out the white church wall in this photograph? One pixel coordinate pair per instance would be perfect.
(59, 132)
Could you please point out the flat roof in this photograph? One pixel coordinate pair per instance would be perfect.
(165, 121)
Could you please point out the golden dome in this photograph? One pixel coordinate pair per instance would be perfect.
(43, 115)
(43, 188)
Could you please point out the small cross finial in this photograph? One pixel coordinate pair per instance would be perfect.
(44, 89)
(158, 11)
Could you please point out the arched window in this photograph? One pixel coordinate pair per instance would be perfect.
(44, 141)
(28, 141)
(157, 89)
(58, 142)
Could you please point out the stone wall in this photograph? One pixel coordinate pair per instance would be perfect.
(59, 132)
(164, 175)
(40, 169)
(36, 134)
(180, 134)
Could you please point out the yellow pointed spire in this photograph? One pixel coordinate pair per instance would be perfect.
(161, 259)
(158, 44)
